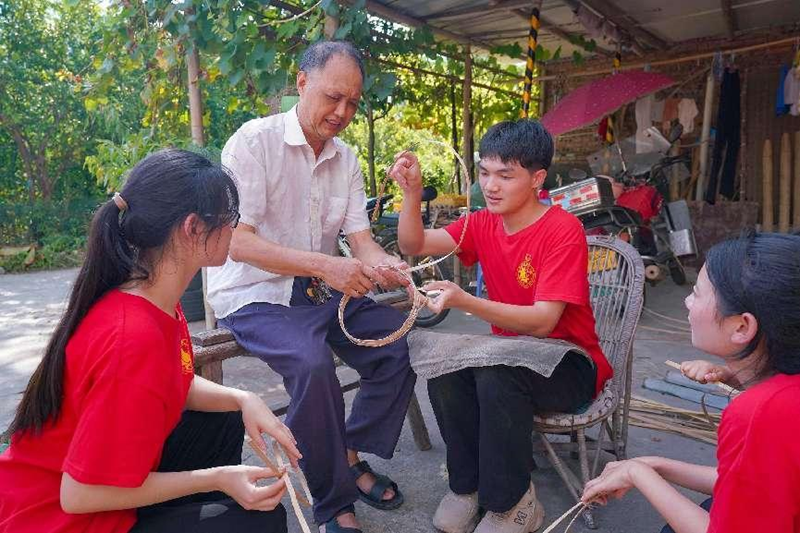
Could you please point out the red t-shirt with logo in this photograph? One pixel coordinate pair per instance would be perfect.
(128, 370)
(758, 461)
(547, 261)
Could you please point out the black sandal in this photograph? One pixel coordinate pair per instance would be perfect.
(332, 526)
(374, 498)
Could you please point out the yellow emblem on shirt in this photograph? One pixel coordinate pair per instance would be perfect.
(186, 357)
(526, 274)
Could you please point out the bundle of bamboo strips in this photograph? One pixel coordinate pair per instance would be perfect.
(698, 425)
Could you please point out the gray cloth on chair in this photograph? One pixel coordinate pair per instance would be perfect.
(434, 354)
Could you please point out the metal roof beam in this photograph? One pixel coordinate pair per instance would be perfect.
(502, 5)
(624, 21)
(555, 30)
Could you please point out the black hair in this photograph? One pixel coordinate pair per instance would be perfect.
(161, 191)
(521, 141)
(318, 54)
(759, 273)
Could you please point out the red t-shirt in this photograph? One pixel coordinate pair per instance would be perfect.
(128, 370)
(547, 261)
(758, 455)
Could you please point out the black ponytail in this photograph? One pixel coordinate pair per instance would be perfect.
(161, 191)
(759, 273)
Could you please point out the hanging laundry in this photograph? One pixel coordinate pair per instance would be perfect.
(670, 114)
(728, 138)
(644, 110)
(687, 111)
(718, 66)
(780, 102)
(791, 92)
(657, 111)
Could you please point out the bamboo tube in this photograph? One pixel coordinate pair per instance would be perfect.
(796, 181)
(785, 191)
(767, 177)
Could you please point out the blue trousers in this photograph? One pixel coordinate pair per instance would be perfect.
(296, 342)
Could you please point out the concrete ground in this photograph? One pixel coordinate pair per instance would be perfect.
(30, 305)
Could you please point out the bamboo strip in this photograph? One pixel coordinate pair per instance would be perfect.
(723, 386)
(785, 191)
(767, 177)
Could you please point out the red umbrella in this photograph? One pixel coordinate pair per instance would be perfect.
(591, 102)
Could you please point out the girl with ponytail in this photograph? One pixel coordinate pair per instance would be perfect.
(114, 432)
(744, 309)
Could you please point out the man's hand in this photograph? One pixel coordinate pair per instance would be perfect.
(406, 172)
(449, 295)
(388, 278)
(349, 276)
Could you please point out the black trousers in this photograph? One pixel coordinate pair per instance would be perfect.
(728, 139)
(205, 440)
(485, 416)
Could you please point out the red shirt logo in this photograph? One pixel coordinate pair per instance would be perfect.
(186, 357)
(526, 274)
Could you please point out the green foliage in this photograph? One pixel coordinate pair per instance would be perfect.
(45, 48)
(436, 161)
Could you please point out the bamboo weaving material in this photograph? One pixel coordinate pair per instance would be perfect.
(419, 299)
(284, 466)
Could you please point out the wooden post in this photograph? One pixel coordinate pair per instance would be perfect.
(466, 136)
(195, 98)
(533, 36)
(796, 181)
(198, 138)
(454, 131)
(766, 201)
(331, 25)
(704, 137)
(785, 191)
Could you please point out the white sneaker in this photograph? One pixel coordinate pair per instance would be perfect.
(457, 513)
(525, 517)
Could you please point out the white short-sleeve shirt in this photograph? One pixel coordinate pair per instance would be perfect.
(292, 198)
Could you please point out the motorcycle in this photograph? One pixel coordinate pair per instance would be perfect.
(384, 229)
(632, 208)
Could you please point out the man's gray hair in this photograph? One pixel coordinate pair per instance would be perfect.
(318, 54)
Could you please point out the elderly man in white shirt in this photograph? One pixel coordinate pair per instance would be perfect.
(279, 291)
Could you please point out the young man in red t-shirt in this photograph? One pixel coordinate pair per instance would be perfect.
(534, 259)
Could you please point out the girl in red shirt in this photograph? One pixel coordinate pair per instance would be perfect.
(115, 433)
(745, 308)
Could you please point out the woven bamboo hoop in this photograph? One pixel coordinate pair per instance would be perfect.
(419, 300)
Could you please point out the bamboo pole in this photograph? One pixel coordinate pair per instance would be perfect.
(766, 201)
(706, 133)
(785, 191)
(796, 181)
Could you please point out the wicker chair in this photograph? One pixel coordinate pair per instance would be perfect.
(616, 284)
